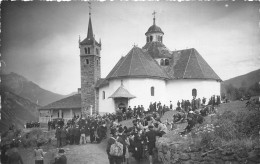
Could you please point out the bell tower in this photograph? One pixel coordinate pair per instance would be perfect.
(90, 70)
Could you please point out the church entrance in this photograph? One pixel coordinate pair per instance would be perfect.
(121, 103)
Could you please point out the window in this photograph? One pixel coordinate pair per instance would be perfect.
(152, 91)
(166, 61)
(97, 62)
(147, 39)
(151, 38)
(86, 51)
(97, 51)
(161, 38)
(87, 61)
(161, 62)
(194, 92)
(104, 95)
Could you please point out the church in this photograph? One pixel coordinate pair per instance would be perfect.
(151, 73)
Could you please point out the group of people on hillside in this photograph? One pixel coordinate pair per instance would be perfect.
(134, 141)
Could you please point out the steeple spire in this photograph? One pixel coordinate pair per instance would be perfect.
(154, 17)
(90, 30)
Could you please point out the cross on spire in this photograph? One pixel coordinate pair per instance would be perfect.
(154, 16)
(89, 6)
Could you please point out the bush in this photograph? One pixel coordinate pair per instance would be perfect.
(33, 137)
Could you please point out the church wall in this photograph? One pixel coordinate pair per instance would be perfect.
(139, 87)
(182, 89)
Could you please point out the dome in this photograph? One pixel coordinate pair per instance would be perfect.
(154, 29)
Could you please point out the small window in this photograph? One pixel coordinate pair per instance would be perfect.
(151, 38)
(88, 50)
(104, 95)
(97, 62)
(87, 61)
(97, 51)
(194, 92)
(166, 61)
(147, 39)
(152, 91)
(161, 38)
(161, 62)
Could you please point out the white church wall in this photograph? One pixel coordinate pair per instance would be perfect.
(182, 89)
(139, 87)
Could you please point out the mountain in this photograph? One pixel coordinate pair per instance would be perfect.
(16, 110)
(22, 87)
(247, 81)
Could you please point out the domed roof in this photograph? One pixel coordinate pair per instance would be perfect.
(154, 29)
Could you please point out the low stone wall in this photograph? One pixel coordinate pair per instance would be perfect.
(180, 153)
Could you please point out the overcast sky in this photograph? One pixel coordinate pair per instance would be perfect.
(40, 39)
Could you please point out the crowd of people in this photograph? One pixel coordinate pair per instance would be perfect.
(32, 124)
(137, 141)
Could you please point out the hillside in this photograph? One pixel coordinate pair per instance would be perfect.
(29, 90)
(16, 110)
(246, 82)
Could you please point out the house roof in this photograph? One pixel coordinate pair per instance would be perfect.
(70, 102)
(157, 50)
(189, 64)
(137, 63)
(121, 92)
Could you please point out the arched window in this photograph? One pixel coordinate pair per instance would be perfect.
(104, 95)
(88, 50)
(147, 39)
(161, 62)
(87, 61)
(151, 38)
(194, 92)
(152, 91)
(166, 61)
(97, 51)
(161, 38)
(97, 62)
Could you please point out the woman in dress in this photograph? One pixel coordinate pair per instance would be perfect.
(38, 154)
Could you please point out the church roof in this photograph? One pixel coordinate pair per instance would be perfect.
(90, 39)
(157, 49)
(70, 102)
(189, 64)
(121, 92)
(101, 82)
(154, 29)
(137, 64)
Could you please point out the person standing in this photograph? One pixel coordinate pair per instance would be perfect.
(38, 154)
(114, 148)
(13, 156)
(58, 136)
(151, 139)
(61, 159)
(138, 146)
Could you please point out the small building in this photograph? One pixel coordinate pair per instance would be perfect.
(65, 108)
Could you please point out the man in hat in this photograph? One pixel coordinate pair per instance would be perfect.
(115, 159)
(151, 139)
(61, 158)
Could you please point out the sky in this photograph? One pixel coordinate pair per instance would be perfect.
(40, 39)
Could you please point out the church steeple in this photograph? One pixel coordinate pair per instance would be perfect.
(154, 33)
(90, 30)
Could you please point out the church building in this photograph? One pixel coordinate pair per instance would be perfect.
(151, 73)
